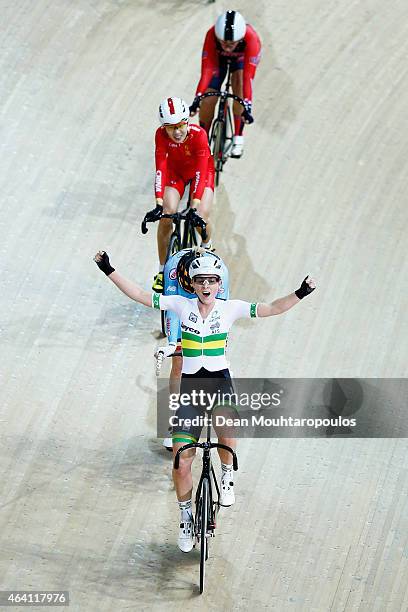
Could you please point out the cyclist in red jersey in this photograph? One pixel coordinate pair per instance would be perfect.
(231, 38)
(182, 155)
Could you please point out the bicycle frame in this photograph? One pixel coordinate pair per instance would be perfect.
(207, 474)
(224, 117)
(222, 129)
(181, 238)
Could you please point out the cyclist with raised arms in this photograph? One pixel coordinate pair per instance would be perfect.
(203, 348)
(177, 282)
(231, 38)
(182, 156)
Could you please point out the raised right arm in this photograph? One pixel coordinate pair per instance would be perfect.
(129, 288)
(133, 291)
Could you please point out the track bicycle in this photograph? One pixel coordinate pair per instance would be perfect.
(183, 236)
(222, 129)
(206, 507)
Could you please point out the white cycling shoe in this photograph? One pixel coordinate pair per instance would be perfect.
(185, 539)
(237, 146)
(227, 495)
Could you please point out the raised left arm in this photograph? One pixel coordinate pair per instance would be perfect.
(283, 304)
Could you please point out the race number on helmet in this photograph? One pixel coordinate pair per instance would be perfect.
(230, 26)
(173, 110)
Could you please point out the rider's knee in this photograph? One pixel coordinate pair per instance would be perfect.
(165, 223)
(185, 463)
(209, 103)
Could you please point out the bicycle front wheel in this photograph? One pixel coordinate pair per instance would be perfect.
(205, 501)
(217, 147)
(174, 246)
(189, 235)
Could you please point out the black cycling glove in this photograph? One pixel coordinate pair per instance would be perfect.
(155, 214)
(104, 264)
(304, 290)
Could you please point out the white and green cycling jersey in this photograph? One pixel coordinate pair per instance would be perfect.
(203, 341)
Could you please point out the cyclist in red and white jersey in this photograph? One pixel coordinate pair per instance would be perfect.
(231, 38)
(205, 324)
(182, 156)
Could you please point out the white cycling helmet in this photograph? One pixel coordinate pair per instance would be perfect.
(230, 26)
(208, 263)
(173, 110)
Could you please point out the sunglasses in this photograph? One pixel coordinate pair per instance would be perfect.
(211, 280)
(178, 126)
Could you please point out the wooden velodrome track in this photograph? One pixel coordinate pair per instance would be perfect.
(87, 502)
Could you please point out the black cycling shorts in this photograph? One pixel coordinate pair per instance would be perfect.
(204, 395)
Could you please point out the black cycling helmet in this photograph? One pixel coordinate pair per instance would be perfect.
(182, 270)
(185, 262)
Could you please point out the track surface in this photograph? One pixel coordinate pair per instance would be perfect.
(86, 497)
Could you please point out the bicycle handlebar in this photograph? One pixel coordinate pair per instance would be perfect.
(207, 445)
(222, 94)
(189, 213)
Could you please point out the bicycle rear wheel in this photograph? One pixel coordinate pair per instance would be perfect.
(205, 500)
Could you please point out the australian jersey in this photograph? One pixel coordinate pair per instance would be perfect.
(203, 341)
(173, 287)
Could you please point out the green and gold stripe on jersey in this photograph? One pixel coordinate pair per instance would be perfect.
(211, 346)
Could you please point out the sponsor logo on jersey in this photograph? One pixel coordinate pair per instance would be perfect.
(192, 317)
(197, 180)
(214, 316)
(173, 274)
(189, 329)
(172, 288)
(158, 180)
(215, 327)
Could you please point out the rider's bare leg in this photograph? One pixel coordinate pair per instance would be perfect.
(207, 108)
(171, 200)
(175, 374)
(182, 477)
(237, 84)
(204, 210)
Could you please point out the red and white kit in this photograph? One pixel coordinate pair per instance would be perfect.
(246, 55)
(179, 163)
